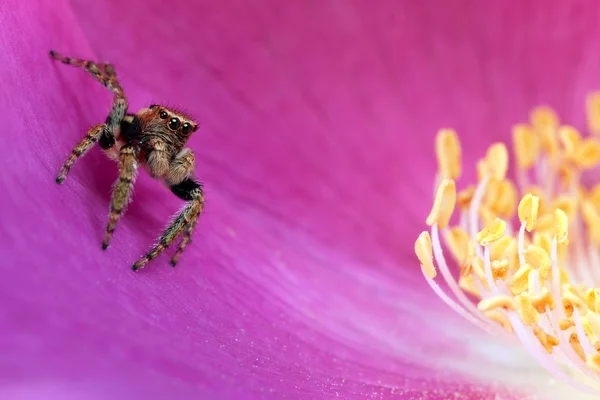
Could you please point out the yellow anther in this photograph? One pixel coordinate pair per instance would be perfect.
(460, 245)
(565, 324)
(591, 217)
(447, 149)
(592, 299)
(564, 276)
(546, 340)
(503, 248)
(566, 203)
(496, 161)
(582, 193)
(520, 280)
(505, 302)
(465, 269)
(570, 300)
(595, 195)
(486, 214)
(528, 314)
(593, 361)
(593, 112)
(506, 203)
(594, 322)
(424, 253)
(589, 212)
(538, 192)
(482, 170)
(587, 328)
(465, 196)
(443, 205)
(576, 345)
(543, 240)
(499, 269)
(587, 154)
(561, 226)
(528, 211)
(526, 145)
(543, 118)
(544, 223)
(570, 139)
(542, 301)
(491, 232)
(538, 259)
(545, 122)
(478, 268)
(567, 174)
(594, 233)
(467, 283)
(500, 318)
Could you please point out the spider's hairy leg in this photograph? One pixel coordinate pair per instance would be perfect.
(122, 191)
(92, 136)
(187, 238)
(181, 167)
(104, 73)
(192, 192)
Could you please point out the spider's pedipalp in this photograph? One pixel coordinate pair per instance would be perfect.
(122, 191)
(181, 167)
(188, 190)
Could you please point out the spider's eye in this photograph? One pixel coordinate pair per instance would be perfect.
(186, 128)
(174, 124)
(163, 115)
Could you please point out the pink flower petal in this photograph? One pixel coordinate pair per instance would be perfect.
(317, 124)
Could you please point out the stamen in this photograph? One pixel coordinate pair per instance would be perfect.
(593, 112)
(491, 232)
(425, 254)
(526, 145)
(528, 211)
(570, 140)
(561, 226)
(496, 161)
(447, 150)
(532, 281)
(443, 205)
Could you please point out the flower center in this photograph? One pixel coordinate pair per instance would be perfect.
(531, 265)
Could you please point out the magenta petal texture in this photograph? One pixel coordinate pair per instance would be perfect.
(315, 147)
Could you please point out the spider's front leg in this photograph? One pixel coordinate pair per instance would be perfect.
(93, 135)
(104, 134)
(122, 191)
(191, 191)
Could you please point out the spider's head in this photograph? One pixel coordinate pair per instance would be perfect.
(163, 121)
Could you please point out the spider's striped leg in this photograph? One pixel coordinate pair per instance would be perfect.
(122, 192)
(106, 75)
(82, 147)
(188, 190)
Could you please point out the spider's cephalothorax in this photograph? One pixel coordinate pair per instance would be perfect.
(153, 137)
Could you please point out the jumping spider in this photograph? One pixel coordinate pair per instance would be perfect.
(153, 137)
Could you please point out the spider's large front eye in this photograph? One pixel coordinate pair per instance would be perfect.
(174, 124)
(163, 115)
(186, 128)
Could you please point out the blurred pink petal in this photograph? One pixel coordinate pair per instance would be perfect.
(315, 147)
